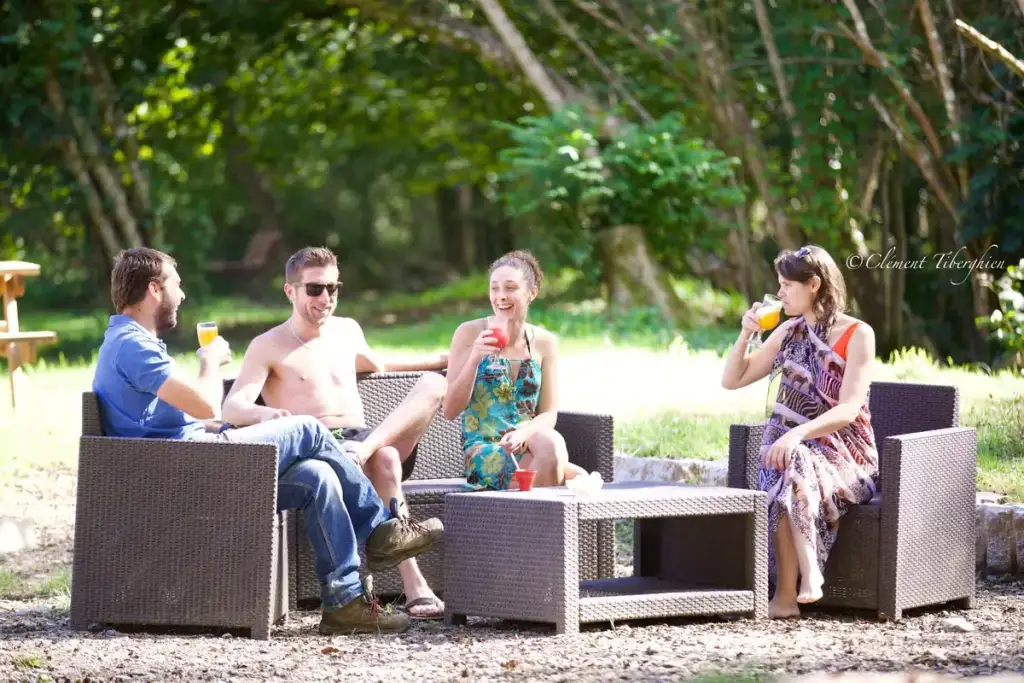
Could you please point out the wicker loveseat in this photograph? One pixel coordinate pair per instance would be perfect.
(440, 469)
(913, 544)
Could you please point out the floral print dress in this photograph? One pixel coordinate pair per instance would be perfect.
(499, 404)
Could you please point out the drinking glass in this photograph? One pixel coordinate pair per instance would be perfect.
(207, 332)
(768, 316)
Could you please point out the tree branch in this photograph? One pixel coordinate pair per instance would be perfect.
(945, 82)
(637, 41)
(768, 36)
(90, 147)
(567, 29)
(105, 91)
(991, 47)
(876, 58)
(531, 66)
(918, 153)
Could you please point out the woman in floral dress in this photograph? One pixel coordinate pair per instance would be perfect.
(506, 394)
(818, 455)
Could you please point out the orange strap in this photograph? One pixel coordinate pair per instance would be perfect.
(840, 346)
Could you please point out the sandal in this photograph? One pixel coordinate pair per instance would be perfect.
(433, 600)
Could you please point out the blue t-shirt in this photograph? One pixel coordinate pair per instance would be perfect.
(132, 366)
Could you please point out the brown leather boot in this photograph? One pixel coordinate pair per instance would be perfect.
(400, 538)
(362, 616)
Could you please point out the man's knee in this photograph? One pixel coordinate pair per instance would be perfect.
(432, 385)
(386, 464)
(308, 481)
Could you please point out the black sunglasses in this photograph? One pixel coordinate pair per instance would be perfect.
(316, 288)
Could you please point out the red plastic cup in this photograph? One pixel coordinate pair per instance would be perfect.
(525, 479)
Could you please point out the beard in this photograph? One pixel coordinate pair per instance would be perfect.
(166, 316)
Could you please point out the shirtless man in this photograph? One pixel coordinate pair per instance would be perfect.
(308, 365)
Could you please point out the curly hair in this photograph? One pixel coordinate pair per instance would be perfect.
(523, 261)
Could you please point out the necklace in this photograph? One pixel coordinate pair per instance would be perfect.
(302, 376)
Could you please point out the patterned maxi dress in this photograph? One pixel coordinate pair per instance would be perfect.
(499, 404)
(825, 475)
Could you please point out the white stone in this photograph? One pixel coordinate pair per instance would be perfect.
(700, 472)
(958, 624)
(989, 498)
(1001, 548)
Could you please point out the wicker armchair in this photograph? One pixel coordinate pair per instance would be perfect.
(913, 544)
(177, 533)
(440, 470)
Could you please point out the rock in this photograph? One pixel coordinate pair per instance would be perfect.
(981, 537)
(1018, 534)
(990, 498)
(1000, 551)
(698, 472)
(957, 624)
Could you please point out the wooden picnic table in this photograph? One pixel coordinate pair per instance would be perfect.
(17, 345)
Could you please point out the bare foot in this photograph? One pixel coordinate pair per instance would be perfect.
(424, 606)
(810, 587)
(783, 609)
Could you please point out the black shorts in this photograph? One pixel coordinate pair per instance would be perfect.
(360, 434)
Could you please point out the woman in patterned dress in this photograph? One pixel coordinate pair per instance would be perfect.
(507, 396)
(819, 454)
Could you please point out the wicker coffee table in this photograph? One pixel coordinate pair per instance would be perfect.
(697, 551)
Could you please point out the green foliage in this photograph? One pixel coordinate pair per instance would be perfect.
(561, 172)
(1007, 322)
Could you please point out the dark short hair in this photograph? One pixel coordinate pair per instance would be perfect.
(308, 257)
(523, 261)
(133, 270)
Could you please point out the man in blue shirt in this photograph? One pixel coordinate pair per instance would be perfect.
(142, 394)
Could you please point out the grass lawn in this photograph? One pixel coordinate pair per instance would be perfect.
(667, 402)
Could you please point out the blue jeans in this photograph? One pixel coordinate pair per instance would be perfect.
(340, 505)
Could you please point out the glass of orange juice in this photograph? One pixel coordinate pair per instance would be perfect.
(207, 332)
(768, 316)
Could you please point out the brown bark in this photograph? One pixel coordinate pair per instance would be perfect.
(529, 63)
(899, 284)
(781, 84)
(945, 83)
(919, 154)
(733, 130)
(93, 203)
(863, 41)
(90, 152)
(113, 117)
(991, 47)
(467, 227)
(613, 81)
(633, 275)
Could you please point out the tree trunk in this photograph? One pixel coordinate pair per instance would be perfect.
(634, 277)
(648, 282)
(113, 117)
(270, 228)
(467, 227)
(899, 285)
(733, 131)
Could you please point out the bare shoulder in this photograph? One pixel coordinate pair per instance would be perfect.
(342, 325)
(470, 329)
(863, 333)
(270, 344)
(546, 340)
